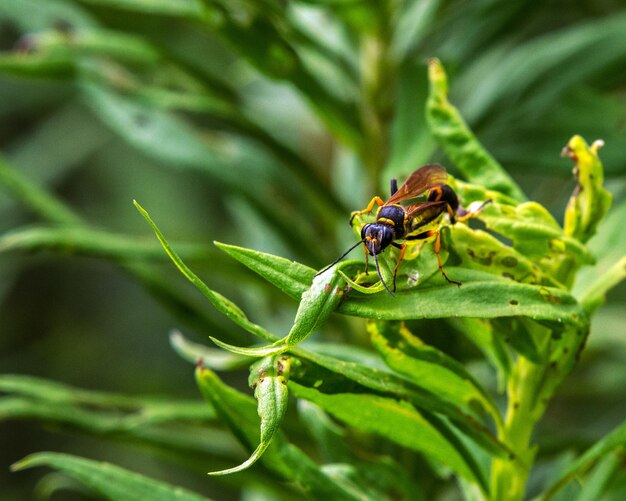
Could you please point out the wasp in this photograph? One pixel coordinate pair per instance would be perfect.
(401, 217)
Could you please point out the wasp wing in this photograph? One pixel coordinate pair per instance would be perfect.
(418, 182)
(420, 214)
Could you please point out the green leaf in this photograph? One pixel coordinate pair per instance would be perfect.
(479, 250)
(35, 197)
(289, 276)
(220, 303)
(590, 201)
(410, 145)
(182, 8)
(614, 440)
(381, 476)
(45, 389)
(517, 333)
(106, 479)
(33, 15)
(93, 42)
(239, 412)
(318, 302)
(374, 289)
(92, 242)
(54, 400)
(481, 295)
(269, 378)
(255, 351)
(52, 64)
(392, 419)
(208, 357)
(181, 428)
(157, 133)
(429, 368)
(595, 294)
(461, 146)
(536, 235)
(261, 41)
(416, 20)
(480, 332)
(386, 383)
(599, 480)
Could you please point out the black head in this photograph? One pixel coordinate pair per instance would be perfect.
(376, 237)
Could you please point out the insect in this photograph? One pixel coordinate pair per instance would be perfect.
(395, 221)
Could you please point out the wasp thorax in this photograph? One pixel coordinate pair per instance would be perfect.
(376, 237)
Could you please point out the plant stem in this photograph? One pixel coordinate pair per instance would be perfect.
(509, 477)
(377, 76)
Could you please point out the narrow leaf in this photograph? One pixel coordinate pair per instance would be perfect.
(289, 276)
(106, 479)
(429, 368)
(394, 420)
(534, 232)
(220, 303)
(238, 411)
(390, 384)
(374, 289)
(182, 8)
(35, 197)
(459, 142)
(269, 378)
(181, 428)
(260, 351)
(595, 294)
(318, 302)
(615, 439)
(590, 201)
(91, 242)
(209, 357)
(479, 250)
(481, 296)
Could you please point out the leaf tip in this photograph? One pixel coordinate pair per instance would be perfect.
(23, 463)
(19, 465)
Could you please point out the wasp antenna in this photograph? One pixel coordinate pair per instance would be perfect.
(393, 184)
(339, 258)
(381, 276)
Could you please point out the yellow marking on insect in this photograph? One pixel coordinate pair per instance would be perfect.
(439, 191)
(386, 220)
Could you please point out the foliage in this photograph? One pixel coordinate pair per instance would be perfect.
(263, 124)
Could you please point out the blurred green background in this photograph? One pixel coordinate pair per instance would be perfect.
(263, 124)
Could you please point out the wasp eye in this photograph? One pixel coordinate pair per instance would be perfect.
(385, 236)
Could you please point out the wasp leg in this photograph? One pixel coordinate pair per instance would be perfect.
(430, 233)
(464, 215)
(367, 255)
(375, 200)
(402, 248)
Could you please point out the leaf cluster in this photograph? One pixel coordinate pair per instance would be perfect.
(262, 124)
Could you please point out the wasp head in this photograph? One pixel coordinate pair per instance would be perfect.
(376, 237)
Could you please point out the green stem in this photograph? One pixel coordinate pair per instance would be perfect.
(36, 197)
(377, 76)
(509, 477)
(530, 388)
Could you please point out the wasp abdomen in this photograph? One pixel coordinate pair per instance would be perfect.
(443, 193)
